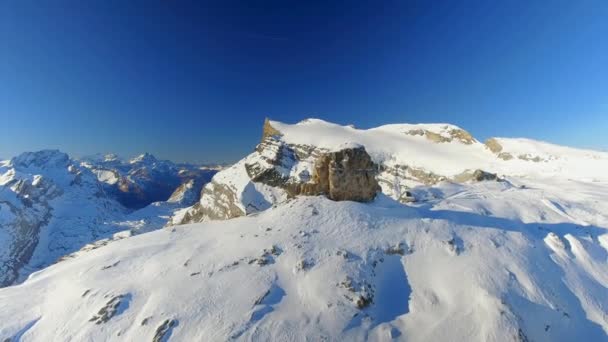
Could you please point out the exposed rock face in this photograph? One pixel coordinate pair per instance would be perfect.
(447, 136)
(277, 171)
(493, 145)
(505, 156)
(476, 176)
(345, 175)
(268, 130)
(529, 157)
(218, 202)
(188, 193)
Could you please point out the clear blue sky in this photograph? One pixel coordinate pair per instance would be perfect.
(193, 80)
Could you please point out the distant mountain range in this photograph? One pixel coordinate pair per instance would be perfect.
(51, 205)
(144, 179)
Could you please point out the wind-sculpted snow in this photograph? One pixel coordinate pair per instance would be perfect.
(517, 260)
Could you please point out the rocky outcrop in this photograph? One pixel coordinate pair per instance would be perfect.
(218, 202)
(268, 130)
(345, 175)
(505, 156)
(188, 193)
(476, 176)
(446, 136)
(493, 145)
(277, 171)
(529, 157)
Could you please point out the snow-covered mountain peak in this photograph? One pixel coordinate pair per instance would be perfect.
(144, 158)
(405, 155)
(109, 157)
(44, 159)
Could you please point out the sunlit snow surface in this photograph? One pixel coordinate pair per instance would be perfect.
(525, 259)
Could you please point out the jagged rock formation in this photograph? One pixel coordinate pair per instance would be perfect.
(268, 130)
(345, 175)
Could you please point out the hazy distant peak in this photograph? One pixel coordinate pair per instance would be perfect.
(145, 158)
(41, 159)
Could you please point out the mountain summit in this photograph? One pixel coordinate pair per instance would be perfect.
(289, 161)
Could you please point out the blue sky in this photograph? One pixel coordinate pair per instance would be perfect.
(193, 80)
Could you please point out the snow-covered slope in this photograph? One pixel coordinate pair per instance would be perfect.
(520, 260)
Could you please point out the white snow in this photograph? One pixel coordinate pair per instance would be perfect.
(481, 262)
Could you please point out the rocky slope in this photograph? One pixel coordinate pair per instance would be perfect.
(303, 159)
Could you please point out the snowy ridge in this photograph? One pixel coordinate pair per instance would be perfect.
(404, 143)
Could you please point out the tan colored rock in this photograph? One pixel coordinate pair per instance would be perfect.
(268, 130)
(476, 176)
(455, 134)
(434, 137)
(505, 156)
(463, 136)
(345, 175)
(425, 177)
(224, 205)
(527, 157)
(493, 145)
